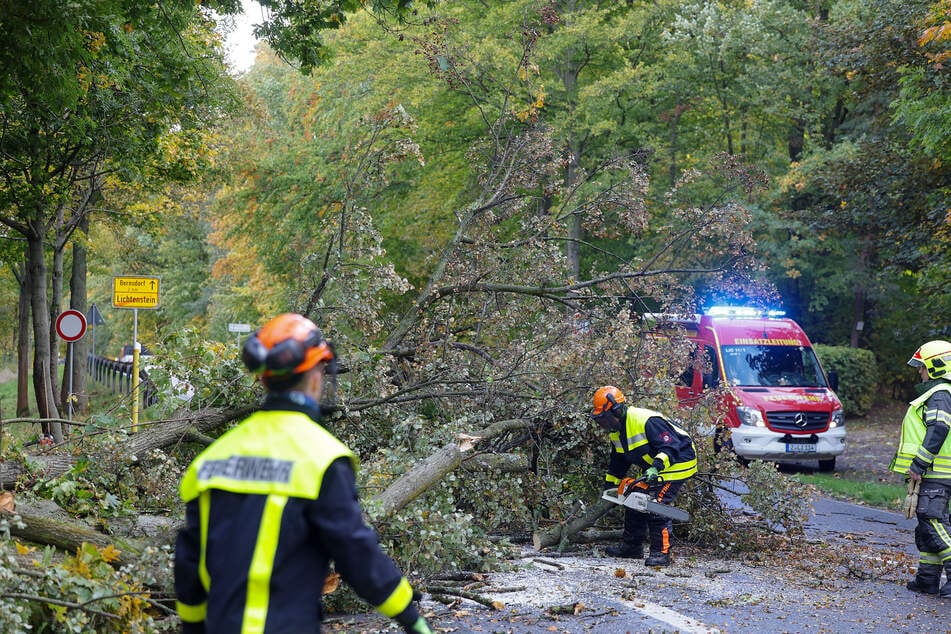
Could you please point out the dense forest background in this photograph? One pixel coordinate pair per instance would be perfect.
(476, 201)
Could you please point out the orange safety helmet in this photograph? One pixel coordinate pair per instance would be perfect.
(606, 398)
(288, 344)
(935, 356)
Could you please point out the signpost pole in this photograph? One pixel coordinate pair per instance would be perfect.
(135, 370)
(69, 397)
(238, 329)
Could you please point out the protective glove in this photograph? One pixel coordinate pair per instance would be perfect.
(652, 475)
(910, 505)
(419, 626)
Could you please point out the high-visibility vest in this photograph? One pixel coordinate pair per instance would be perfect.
(637, 443)
(913, 431)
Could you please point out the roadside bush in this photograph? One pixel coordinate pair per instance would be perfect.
(858, 376)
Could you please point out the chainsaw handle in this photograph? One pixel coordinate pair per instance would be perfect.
(636, 481)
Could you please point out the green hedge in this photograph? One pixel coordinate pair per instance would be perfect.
(858, 376)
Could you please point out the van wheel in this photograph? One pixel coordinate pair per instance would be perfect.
(827, 466)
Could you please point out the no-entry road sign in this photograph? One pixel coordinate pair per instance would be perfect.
(71, 325)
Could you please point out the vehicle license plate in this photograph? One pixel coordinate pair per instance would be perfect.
(800, 448)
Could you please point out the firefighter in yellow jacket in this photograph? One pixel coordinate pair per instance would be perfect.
(665, 454)
(273, 501)
(924, 455)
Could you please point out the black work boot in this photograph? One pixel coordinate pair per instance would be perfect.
(657, 559)
(927, 580)
(626, 550)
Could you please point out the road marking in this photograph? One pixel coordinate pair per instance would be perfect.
(676, 620)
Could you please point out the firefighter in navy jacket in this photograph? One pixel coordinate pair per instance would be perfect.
(666, 455)
(273, 502)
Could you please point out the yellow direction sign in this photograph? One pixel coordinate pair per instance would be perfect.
(135, 291)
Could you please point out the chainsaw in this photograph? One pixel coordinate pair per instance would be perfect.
(642, 502)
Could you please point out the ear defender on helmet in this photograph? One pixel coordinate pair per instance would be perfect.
(288, 344)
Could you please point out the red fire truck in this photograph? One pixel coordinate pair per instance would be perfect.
(780, 404)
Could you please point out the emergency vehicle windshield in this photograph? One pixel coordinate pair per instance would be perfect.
(772, 366)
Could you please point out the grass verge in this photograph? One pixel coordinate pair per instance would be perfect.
(878, 494)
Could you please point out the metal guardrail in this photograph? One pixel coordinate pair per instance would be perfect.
(117, 376)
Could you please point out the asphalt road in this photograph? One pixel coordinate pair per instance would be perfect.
(861, 591)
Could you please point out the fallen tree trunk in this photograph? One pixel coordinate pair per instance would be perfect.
(431, 470)
(69, 534)
(157, 435)
(39, 526)
(564, 532)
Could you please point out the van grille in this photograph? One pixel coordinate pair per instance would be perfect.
(798, 421)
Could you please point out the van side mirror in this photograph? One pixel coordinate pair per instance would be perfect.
(834, 380)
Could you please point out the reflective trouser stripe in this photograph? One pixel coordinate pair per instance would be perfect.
(262, 565)
(929, 558)
(942, 532)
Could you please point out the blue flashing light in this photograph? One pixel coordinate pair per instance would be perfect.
(742, 311)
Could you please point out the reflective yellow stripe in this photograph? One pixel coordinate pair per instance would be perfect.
(929, 558)
(680, 470)
(613, 480)
(204, 506)
(945, 553)
(191, 613)
(901, 462)
(663, 458)
(636, 440)
(398, 599)
(262, 565)
(926, 456)
(616, 441)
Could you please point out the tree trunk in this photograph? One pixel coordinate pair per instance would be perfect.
(55, 307)
(23, 342)
(566, 531)
(43, 387)
(68, 534)
(431, 470)
(858, 299)
(76, 352)
(573, 253)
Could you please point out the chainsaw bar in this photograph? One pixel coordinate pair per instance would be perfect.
(643, 502)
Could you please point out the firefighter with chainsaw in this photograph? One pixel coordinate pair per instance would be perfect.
(666, 456)
(924, 455)
(273, 501)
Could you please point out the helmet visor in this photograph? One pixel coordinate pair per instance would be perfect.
(605, 420)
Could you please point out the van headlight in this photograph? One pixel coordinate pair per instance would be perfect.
(838, 419)
(750, 416)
